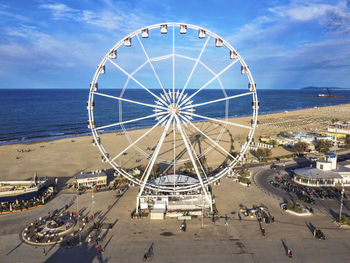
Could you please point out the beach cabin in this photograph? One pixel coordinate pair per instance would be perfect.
(326, 173)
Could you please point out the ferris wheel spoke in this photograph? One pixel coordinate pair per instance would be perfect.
(129, 121)
(150, 63)
(161, 58)
(138, 139)
(210, 139)
(196, 156)
(141, 85)
(154, 156)
(210, 81)
(131, 101)
(218, 100)
(193, 69)
(173, 63)
(184, 138)
(217, 120)
(174, 149)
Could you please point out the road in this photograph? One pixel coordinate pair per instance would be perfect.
(239, 241)
(263, 175)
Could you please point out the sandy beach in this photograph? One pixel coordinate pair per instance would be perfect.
(66, 157)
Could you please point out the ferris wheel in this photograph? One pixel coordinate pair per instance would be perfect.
(181, 84)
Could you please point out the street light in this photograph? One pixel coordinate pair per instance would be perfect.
(341, 201)
(78, 215)
(92, 203)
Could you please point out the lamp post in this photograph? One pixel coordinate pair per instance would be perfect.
(92, 203)
(78, 216)
(341, 201)
(202, 214)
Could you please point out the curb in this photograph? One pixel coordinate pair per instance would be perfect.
(298, 214)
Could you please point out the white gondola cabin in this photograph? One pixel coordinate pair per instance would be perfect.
(163, 29)
(95, 142)
(101, 69)
(255, 105)
(112, 54)
(253, 124)
(144, 33)
(244, 69)
(94, 86)
(183, 29)
(233, 54)
(91, 124)
(90, 106)
(218, 42)
(201, 33)
(104, 159)
(127, 42)
(252, 86)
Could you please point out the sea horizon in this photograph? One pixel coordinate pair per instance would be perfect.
(61, 113)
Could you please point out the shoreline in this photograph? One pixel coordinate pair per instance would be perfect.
(65, 157)
(71, 136)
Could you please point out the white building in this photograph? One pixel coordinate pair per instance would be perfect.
(88, 180)
(326, 173)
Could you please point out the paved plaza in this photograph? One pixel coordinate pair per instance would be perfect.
(204, 241)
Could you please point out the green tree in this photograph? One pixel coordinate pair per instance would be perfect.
(263, 153)
(274, 143)
(301, 147)
(188, 166)
(334, 120)
(347, 141)
(323, 145)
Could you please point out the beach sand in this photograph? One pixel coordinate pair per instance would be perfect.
(66, 157)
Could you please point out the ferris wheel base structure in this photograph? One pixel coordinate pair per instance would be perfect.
(187, 143)
(194, 200)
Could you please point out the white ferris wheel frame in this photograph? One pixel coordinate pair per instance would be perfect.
(173, 108)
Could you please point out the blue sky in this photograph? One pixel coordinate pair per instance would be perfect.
(287, 44)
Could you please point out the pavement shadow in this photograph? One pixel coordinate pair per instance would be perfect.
(284, 246)
(149, 254)
(82, 253)
(18, 245)
(333, 214)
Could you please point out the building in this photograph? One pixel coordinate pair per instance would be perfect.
(11, 191)
(88, 180)
(326, 173)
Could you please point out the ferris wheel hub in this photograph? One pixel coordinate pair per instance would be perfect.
(174, 109)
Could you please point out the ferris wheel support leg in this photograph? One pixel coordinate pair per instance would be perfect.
(184, 138)
(151, 163)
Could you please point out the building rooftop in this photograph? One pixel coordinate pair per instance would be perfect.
(169, 179)
(314, 173)
(90, 175)
(343, 169)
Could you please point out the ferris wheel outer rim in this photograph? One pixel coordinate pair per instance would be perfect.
(192, 187)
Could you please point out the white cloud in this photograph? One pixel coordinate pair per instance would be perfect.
(279, 39)
(302, 12)
(13, 15)
(39, 48)
(110, 19)
(332, 17)
(60, 10)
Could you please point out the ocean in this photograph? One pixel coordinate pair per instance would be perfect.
(38, 114)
